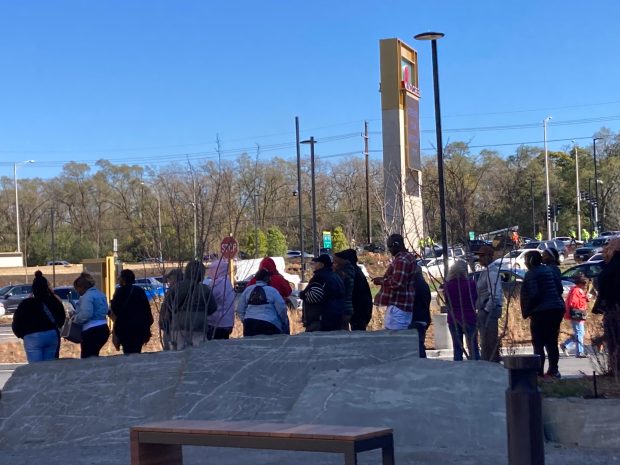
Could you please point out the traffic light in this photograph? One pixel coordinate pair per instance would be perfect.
(549, 212)
(558, 208)
(584, 196)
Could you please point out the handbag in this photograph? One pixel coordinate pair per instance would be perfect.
(576, 314)
(72, 331)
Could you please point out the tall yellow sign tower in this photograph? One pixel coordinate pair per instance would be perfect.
(402, 166)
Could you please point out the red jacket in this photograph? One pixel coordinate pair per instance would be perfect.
(277, 280)
(576, 298)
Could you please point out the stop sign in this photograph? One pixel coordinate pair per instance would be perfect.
(229, 248)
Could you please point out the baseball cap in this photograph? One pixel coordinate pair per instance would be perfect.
(347, 254)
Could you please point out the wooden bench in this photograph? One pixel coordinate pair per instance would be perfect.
(161, 442)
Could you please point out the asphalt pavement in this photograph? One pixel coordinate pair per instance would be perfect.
(6, 334)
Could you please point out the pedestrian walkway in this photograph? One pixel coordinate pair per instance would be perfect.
(570, 367)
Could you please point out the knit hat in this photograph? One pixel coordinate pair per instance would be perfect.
(40, 285)
(324, 259)
(348, 254)
(554, 253)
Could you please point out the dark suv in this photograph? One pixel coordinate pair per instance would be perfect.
(544, 245)
(584, 253)
(12, 295)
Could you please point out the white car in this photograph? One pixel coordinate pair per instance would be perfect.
(432, 268)
(515, 259)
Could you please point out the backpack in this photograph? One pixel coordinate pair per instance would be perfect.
(257, 296)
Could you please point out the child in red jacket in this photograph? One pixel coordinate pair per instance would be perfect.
(576, 308)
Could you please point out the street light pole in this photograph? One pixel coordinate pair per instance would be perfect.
(299, 203)
(596, 225)
(367, 166)
(433, 37)
(312, 141)
(545, 121)
(578, 194)
(15, 165)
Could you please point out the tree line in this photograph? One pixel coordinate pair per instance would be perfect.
(203, 202)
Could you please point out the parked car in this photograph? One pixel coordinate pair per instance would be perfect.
(474, 245)
(584, 253)
(297, 254)
(609, 233)
(432, 268)
(565, 239)
(544, 245)
(67, 294)
(58, 263)
(375, 247)
(152, 285)
(13, 294)
(590, 269)
(515, 259)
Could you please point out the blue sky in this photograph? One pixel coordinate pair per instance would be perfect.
(148, 82)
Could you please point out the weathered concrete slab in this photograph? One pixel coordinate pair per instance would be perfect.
(583, 422)
(79, 411)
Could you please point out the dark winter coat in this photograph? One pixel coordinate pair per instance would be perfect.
(541, 291)
(421, 300)
(133, 318)
(31, 318)
(347, 274)
(362, 301)
(324, 295)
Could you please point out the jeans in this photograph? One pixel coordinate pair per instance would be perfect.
(41, 346)
(579, 331)
(396, 319)
(489, 340)
(545, 330)
(457, 331)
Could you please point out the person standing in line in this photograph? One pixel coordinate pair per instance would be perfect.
(221, 322)
(397, 285)
(551, 258)
(362, 297)
(345, 270)
(421, 315)
(489, 304)
(608, 302)
(91, 313)
(461, 297)
(277, 280)
(541, 302)
(576, 310)
(131, 311)
(191, 302)
(37, 321)
(323, 297)
(172, 278)
(262, 309)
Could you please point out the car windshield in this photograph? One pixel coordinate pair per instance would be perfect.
(5, 289)
(531, 245)
(599, 242)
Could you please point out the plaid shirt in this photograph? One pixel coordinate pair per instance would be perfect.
(398, 286)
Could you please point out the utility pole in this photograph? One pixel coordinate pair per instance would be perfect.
(315, 247)
(367, 163)
(299, 202)
(533, 209)
(545, 121)
(578, 193)
(596, 225)
(255, 224)
(53, 250)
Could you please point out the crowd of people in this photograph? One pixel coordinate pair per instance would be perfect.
(200, 304)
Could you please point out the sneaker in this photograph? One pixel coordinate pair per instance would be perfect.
(563, 349)
(581, 356)
(555, 375)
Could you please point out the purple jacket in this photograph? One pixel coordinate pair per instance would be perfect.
(461, 296)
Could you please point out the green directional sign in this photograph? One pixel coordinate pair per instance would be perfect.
(327, 239)
(472, 235)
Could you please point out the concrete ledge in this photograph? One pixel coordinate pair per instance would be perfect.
(592, 423)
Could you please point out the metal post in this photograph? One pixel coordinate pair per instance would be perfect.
(16, 206)
(440, 175)
(255, 225)
(53, 250)
(367, 162)
(299, 202)
(526, 445)
(596, 225)
(590, 204)
(161, 254)
(578, 193)
(195, 219)
(315, 249)
(533, 209)
(545, 121)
